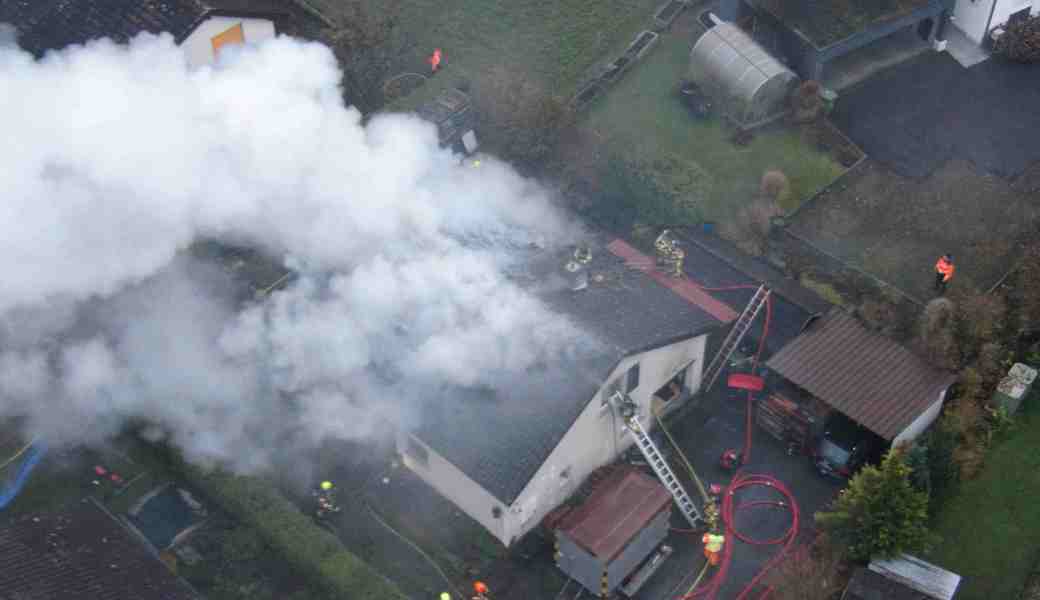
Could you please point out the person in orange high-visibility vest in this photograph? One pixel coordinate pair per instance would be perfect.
(480, 589)
(713, 547)
(435, 60)
(943, 272)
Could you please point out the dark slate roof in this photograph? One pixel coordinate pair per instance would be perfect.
(870, 378)
(500, 437)
(824, 22)
(81, 552)
(54, 24)
(715, 263)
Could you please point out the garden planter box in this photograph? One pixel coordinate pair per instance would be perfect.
(667, 13)
(643, 43)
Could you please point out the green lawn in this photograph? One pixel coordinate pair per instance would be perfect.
(991, 529)
(642, 119)
(552, 42)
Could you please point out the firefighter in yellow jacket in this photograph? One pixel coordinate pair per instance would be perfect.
(713, 547)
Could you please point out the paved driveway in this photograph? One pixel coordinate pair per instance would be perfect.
(714, 426)
(916, 116)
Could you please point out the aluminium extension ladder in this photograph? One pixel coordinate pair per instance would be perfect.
(736, 334)
(663, 471)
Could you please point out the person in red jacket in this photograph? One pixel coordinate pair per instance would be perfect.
(943, 272)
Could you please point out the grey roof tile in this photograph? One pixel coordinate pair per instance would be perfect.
(500, 437)
(81, 552)
(870, 378)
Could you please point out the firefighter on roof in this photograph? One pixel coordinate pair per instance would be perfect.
(326, 499)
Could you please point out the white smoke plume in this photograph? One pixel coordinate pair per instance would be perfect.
(116, 158)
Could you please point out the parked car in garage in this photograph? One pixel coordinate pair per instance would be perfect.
(845, 447)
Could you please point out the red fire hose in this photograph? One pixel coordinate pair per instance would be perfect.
(743, 481)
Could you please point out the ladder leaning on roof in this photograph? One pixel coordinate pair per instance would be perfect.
(660, 465)
(736, 335)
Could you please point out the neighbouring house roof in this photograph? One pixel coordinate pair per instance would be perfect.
(615, 513)
(54, 24)
(902, 578)
(870, 378)
(81, 552)
(824, 22)
(500, 437)
(933, 581)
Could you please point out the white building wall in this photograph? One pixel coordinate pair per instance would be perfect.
(1006, 8)
(921, 422)
(198, 47)
(456, 486)
(598, 435)
(972, 16)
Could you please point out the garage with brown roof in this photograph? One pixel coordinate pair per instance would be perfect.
(868, 377)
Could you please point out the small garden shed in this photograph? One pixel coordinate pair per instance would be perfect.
(731, 64)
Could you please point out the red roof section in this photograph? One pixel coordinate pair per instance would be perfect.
(870, 378)
(684, 288)
(615, 512)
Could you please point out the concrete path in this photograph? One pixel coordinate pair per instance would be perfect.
(883, 54)
(963, 50)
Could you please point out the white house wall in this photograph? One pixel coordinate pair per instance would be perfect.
(456, 486)
(198, 47)
(1006, 8)
(972, 16)
(598, 436)
(921, 422)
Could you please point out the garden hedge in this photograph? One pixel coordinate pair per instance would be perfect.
(309, 549)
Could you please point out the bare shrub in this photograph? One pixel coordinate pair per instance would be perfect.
(878, 315)
(775, 186)
(750, 228)
(981, 318)
(992, 364)
(520, 118)
(1021, 41)
(1024, 297)
(936, 339)
(809, 573)
(806, 104)
(967, 417)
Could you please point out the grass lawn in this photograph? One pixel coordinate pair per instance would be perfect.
(991, 529)
(553, 42)
(642, 119)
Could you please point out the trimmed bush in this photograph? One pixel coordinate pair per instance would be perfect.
(309, 549)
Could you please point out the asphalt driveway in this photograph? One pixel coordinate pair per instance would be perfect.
(916, 116)
(715, 425)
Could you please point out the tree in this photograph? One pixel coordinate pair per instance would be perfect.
(1021, 41)
(880, 513)
(366, 47)
(519, 118)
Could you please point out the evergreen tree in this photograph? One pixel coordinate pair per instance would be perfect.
(880, 513)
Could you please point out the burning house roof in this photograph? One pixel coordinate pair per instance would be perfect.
(515, 426)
